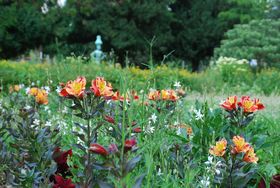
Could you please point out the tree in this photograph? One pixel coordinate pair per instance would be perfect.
(22, 27)
(201, 24)
(257, 40)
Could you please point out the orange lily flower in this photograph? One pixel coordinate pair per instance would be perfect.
(250, 156)
(101, 88)
(219, 149)
(33, 91)
(230, 103)
(42, 97)
(240, 146)
(74, 88)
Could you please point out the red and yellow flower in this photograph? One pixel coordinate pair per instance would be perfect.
(250, 156)
(219, 149)
(230, 103)
(240, 146)
(247, 105)
(101, 88)
(74, 88)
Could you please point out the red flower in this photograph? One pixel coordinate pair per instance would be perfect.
(137, 130)
(63, 183)
(60, 157)
(230, 103)
(259, 104)
(129, 144)
(98, 149)
(109, 119)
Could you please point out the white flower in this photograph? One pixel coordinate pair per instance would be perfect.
(205, 182)
(47, 88)
(177, 84)
(27, 90)
(110, 128)
(27, 107)
(21, 86)
(178, 132)
(58, 89)
(32, 84)
(48, 123)
(36, 122)
(61, 3)
(159, 173)
(141, 91)
(218, 171)
(46, 108)
(198, 114)
(65, 110)
(153, 118)
(210, 160)
(176, 123)
(149, 129)
(44, 8)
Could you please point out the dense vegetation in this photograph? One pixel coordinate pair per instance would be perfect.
(142, 130)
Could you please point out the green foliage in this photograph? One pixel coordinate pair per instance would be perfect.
(227, 79)
(257, 40)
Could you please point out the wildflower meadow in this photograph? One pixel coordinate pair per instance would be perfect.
(139, 94)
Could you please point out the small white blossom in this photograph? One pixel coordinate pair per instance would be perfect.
(159, 173)
(48, 123)
(44, 8)
(27, 107)
(178, 132)
(176, 123)
(149, 129)
(47, 88)
(65, 110)
(177, 84)
(32, 84)
(198, 114)
(61, 3)
(36, 122)
(141, 91)
(205, 182)
(153, 118)
(27, 90)
(58, 89)
(46, 108)
(110, 128)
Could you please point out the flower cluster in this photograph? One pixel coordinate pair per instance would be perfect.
(246, 104)
(41, 95)
(166, 95)
(240, 146)
(62, 172)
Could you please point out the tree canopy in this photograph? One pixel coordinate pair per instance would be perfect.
(192, 29)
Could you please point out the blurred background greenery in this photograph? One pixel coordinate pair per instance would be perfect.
(192, 31)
